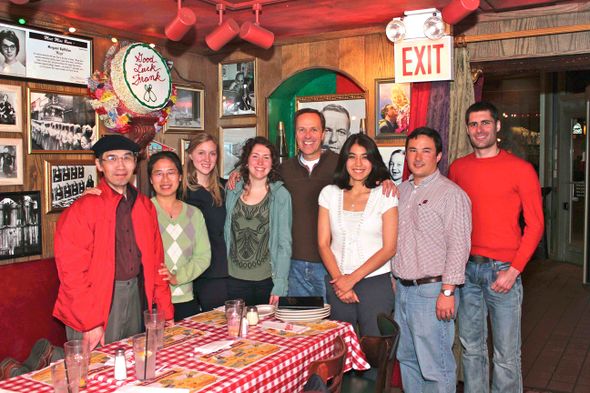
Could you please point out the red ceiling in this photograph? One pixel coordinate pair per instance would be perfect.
(286, 18)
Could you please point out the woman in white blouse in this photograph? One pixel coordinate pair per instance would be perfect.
(357, 234)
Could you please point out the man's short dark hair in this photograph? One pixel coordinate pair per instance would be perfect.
(303, 111)
(384, 110)
(482, 106)
(429, 132)
(10, 36)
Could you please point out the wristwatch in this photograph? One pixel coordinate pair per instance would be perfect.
(447, 292)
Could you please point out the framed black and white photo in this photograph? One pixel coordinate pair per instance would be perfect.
(343, 113)
(392, 106)
(184, 144)
(11, 161)
(394, 158)
(11, 108)
(237, 84)
(233, 140)
(66, 180)
(187, 113)
(60, 122)
(20, 224)
(13, 51)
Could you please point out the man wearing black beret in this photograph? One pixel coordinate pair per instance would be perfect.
(108, 250)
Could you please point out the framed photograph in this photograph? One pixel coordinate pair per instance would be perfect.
(11, 161)
(13, 51)
(11, 108)
(66, 180)
(237, 84)
(60, 122)
(392, 106)
(343, 113)
(20, 224)
(394, 158)
(233, 140)
(187, 113)
(183, 145)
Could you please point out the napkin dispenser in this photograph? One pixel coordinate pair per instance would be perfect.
(301, 302)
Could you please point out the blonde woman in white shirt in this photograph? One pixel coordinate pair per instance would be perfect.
(357, 235)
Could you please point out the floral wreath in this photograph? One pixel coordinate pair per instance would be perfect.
(111, 110)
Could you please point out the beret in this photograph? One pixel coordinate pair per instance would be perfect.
(114, 142)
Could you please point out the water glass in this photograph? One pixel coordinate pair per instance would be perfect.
(144, 351)
(77, 355)
(154, 325)
(234, 310)
(60, 380)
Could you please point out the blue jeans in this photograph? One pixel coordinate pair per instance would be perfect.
(307, 279)
(477, 300)
(425, 349)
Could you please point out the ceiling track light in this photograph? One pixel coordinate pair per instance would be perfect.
(19, 2)
(256, 34)
(181, 24)
(224, 32)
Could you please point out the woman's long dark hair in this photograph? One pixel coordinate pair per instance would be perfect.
(242, 164)
(165, 155)
(379, 171)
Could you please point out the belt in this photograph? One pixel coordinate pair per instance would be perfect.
(420, 281)
(480, 259)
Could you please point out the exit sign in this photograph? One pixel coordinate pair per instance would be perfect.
(424, 60)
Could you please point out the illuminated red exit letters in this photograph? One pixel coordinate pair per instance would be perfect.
(421, 60)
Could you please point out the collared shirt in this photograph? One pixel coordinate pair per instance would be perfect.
(127, 254)
(434, 236)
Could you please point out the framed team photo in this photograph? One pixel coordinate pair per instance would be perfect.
(66, 180)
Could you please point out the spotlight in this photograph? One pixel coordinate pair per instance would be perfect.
(395, 30)
(456, 10)
(114, 40)
(185, 19)
(254, 33)
(223, 33)
(72, 29)
(434, 27)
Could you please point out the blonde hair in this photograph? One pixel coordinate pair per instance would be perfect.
(190, 180)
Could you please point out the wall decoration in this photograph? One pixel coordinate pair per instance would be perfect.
(11, 108)
(233, 140)
(155, 147)
(37, 54)
(187, 114)
(11, 161)
(66, 180)
(60, 122)
(392, 109)
(394, 158)
(343, 113)
(184, 143)
(237, 84)
(20, 224)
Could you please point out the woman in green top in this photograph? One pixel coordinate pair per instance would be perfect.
(258, 227)
(184, 234)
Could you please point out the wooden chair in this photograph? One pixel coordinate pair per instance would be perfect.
(331, 369)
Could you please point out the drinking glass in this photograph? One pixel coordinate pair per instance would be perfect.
(234, 310)
(77, 357)
(154, 324)
(60, 380)
(144, 351)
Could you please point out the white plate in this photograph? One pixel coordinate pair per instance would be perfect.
(265, 310)
(301, 319)
(303, 312)
(297, 316)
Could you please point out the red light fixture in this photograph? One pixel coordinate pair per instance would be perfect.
(19, 2)
(456, 10)
(223, 33)
(181, 24)
(254, 33)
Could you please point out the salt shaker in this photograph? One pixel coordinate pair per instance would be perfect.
(252, 316)
(244, 331)
(120, 365)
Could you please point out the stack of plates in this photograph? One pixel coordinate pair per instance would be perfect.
(286, 315)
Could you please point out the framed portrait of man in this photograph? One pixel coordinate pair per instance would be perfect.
(237, 82)
(343, 113)
(11, 161)
(394, 158)
(392, 106)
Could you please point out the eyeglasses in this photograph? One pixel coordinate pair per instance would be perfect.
(161, 174)
(8, 47)
(483, 123)
(113, 159)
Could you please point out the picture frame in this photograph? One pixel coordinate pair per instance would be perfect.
(60, 122)
(394, 158)
(182, 146)
(232, 140)
(11, 108)
(20, 224)
(237, 84)
(343, 113)
(66, 180)
(187, 114)
(396, 122)
(11, 161)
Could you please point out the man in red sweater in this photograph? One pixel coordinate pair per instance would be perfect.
(500, 186)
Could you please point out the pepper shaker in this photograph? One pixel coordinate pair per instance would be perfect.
(252, 316)
(120, 365)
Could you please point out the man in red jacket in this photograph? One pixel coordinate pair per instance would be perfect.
(500, 187)
(108, 250)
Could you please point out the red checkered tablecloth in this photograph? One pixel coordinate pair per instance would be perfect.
(284, 369)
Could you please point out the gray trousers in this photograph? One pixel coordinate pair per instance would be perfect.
(125, 315)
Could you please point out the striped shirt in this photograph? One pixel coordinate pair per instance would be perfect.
(434, 236)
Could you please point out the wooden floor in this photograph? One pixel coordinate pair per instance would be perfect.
(555, 328)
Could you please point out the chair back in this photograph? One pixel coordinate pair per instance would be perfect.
(331, 369)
